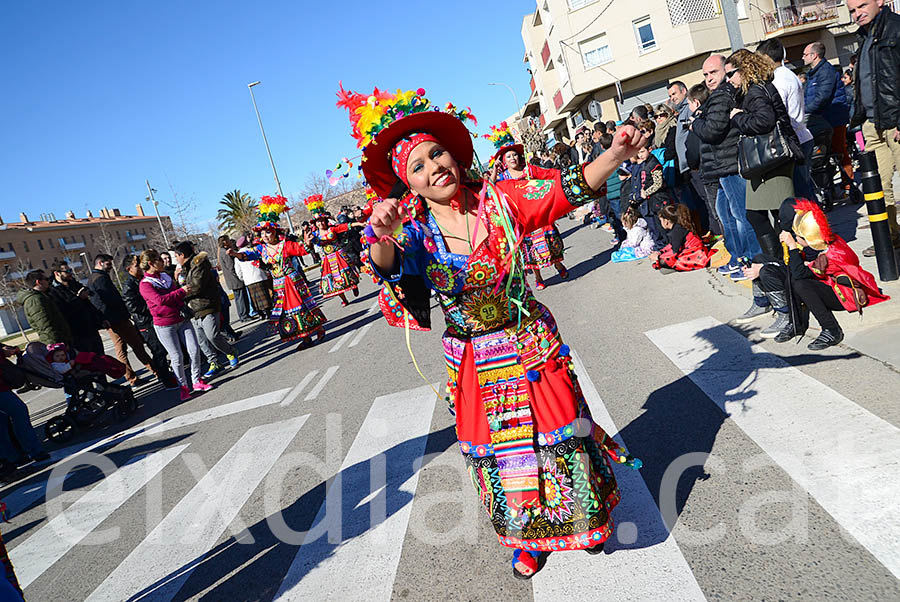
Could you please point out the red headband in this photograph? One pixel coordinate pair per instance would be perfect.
(400, 154)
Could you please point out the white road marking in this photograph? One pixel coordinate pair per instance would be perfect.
(158, 567)
(362, 332)
(394, 433)
(30, 494)
(373, 308)
(847, 458)
(321, 384)
(52, 541)
(251, 403)
(295, 392)
(341, 341)
(635, 573)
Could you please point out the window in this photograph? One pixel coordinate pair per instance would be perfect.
(595, 51)
(44, 261)
(562, 72)
(644, 34)
(576, 4)
(25, 244)
(83, 240)
(118, 235)
(40, 245)
(50, 242)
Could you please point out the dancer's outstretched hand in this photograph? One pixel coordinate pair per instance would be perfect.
(627, 141)
(386, 217)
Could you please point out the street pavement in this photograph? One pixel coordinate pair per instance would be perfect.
(769, 472)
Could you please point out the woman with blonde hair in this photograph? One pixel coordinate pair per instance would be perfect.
(665, 118)
(761, 109)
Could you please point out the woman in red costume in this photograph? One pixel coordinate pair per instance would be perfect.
(832, 281)
(543, 247)
(540, 465)
(338, 276)
(295, 315)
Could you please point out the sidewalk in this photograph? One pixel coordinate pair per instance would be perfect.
(877, 332)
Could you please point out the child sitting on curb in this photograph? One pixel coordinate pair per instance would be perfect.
(638, 243)
(685, 251)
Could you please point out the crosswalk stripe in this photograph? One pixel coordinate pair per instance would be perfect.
(25, 496)
(52, 541)
(295, 392)
(394, 434)
(321, 384)
(251, 403)
(847, 458)
(341, 341)
(156, 568)
(664, 574)
(362, 332)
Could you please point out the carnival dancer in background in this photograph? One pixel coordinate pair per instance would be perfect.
(546, 484)
(295, 315)
(544, 247)
(338, 276)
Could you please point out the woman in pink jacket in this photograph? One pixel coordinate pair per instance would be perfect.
(165, 299)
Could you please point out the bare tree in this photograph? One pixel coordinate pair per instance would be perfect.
(108, 244)
(9, 291)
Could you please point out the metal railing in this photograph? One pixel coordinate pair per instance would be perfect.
(799, 14)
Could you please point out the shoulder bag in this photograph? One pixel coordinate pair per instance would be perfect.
(758, 155)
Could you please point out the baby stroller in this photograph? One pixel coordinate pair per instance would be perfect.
(88, 394)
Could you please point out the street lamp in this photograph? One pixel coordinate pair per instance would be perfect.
(269, 152)
(153, 200)
(515, 98)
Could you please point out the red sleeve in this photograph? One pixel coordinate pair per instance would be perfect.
(542, 173)
(340, 228)
(292, 249)
(540, 202)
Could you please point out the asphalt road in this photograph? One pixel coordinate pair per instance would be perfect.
(770, 473)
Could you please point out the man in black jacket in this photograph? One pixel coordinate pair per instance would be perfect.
(206, 303)
(877, 104)
(719, 165)
(74, 302)
(109, 303)
(143, 321)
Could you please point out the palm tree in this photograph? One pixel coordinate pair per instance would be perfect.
(238, 213)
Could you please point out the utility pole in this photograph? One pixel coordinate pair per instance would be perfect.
(156, 208)
(269, 152)
(729, 12)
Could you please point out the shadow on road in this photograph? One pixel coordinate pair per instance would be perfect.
(679, 419)
(263, 563)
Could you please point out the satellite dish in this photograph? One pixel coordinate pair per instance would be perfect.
(595, 110)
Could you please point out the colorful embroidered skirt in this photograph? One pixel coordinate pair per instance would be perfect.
(338, 276)
(295, 315)
(535, 456)
(543, 248)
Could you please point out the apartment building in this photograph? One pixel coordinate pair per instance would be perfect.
(597, 59)
(32, 244)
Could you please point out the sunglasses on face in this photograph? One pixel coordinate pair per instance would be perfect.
(730, 74)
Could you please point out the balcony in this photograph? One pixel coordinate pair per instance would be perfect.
(137, 236)
(7, 254)
(71, 246)
(800, 16)
(75, 264)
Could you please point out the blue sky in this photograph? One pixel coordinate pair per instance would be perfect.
(100, 95)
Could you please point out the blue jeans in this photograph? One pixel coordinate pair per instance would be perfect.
(14, 410)
(803, 187)
(731, 205)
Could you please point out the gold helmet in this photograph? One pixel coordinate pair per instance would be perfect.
(811, 224)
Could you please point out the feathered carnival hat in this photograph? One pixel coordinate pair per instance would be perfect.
(270, 209)
(503, 140)
(387, 127)
(316, 205)
(810, 223)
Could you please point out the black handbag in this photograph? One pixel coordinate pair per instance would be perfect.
(758, 155)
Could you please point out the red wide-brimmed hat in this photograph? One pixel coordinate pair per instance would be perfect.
(381, 120)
